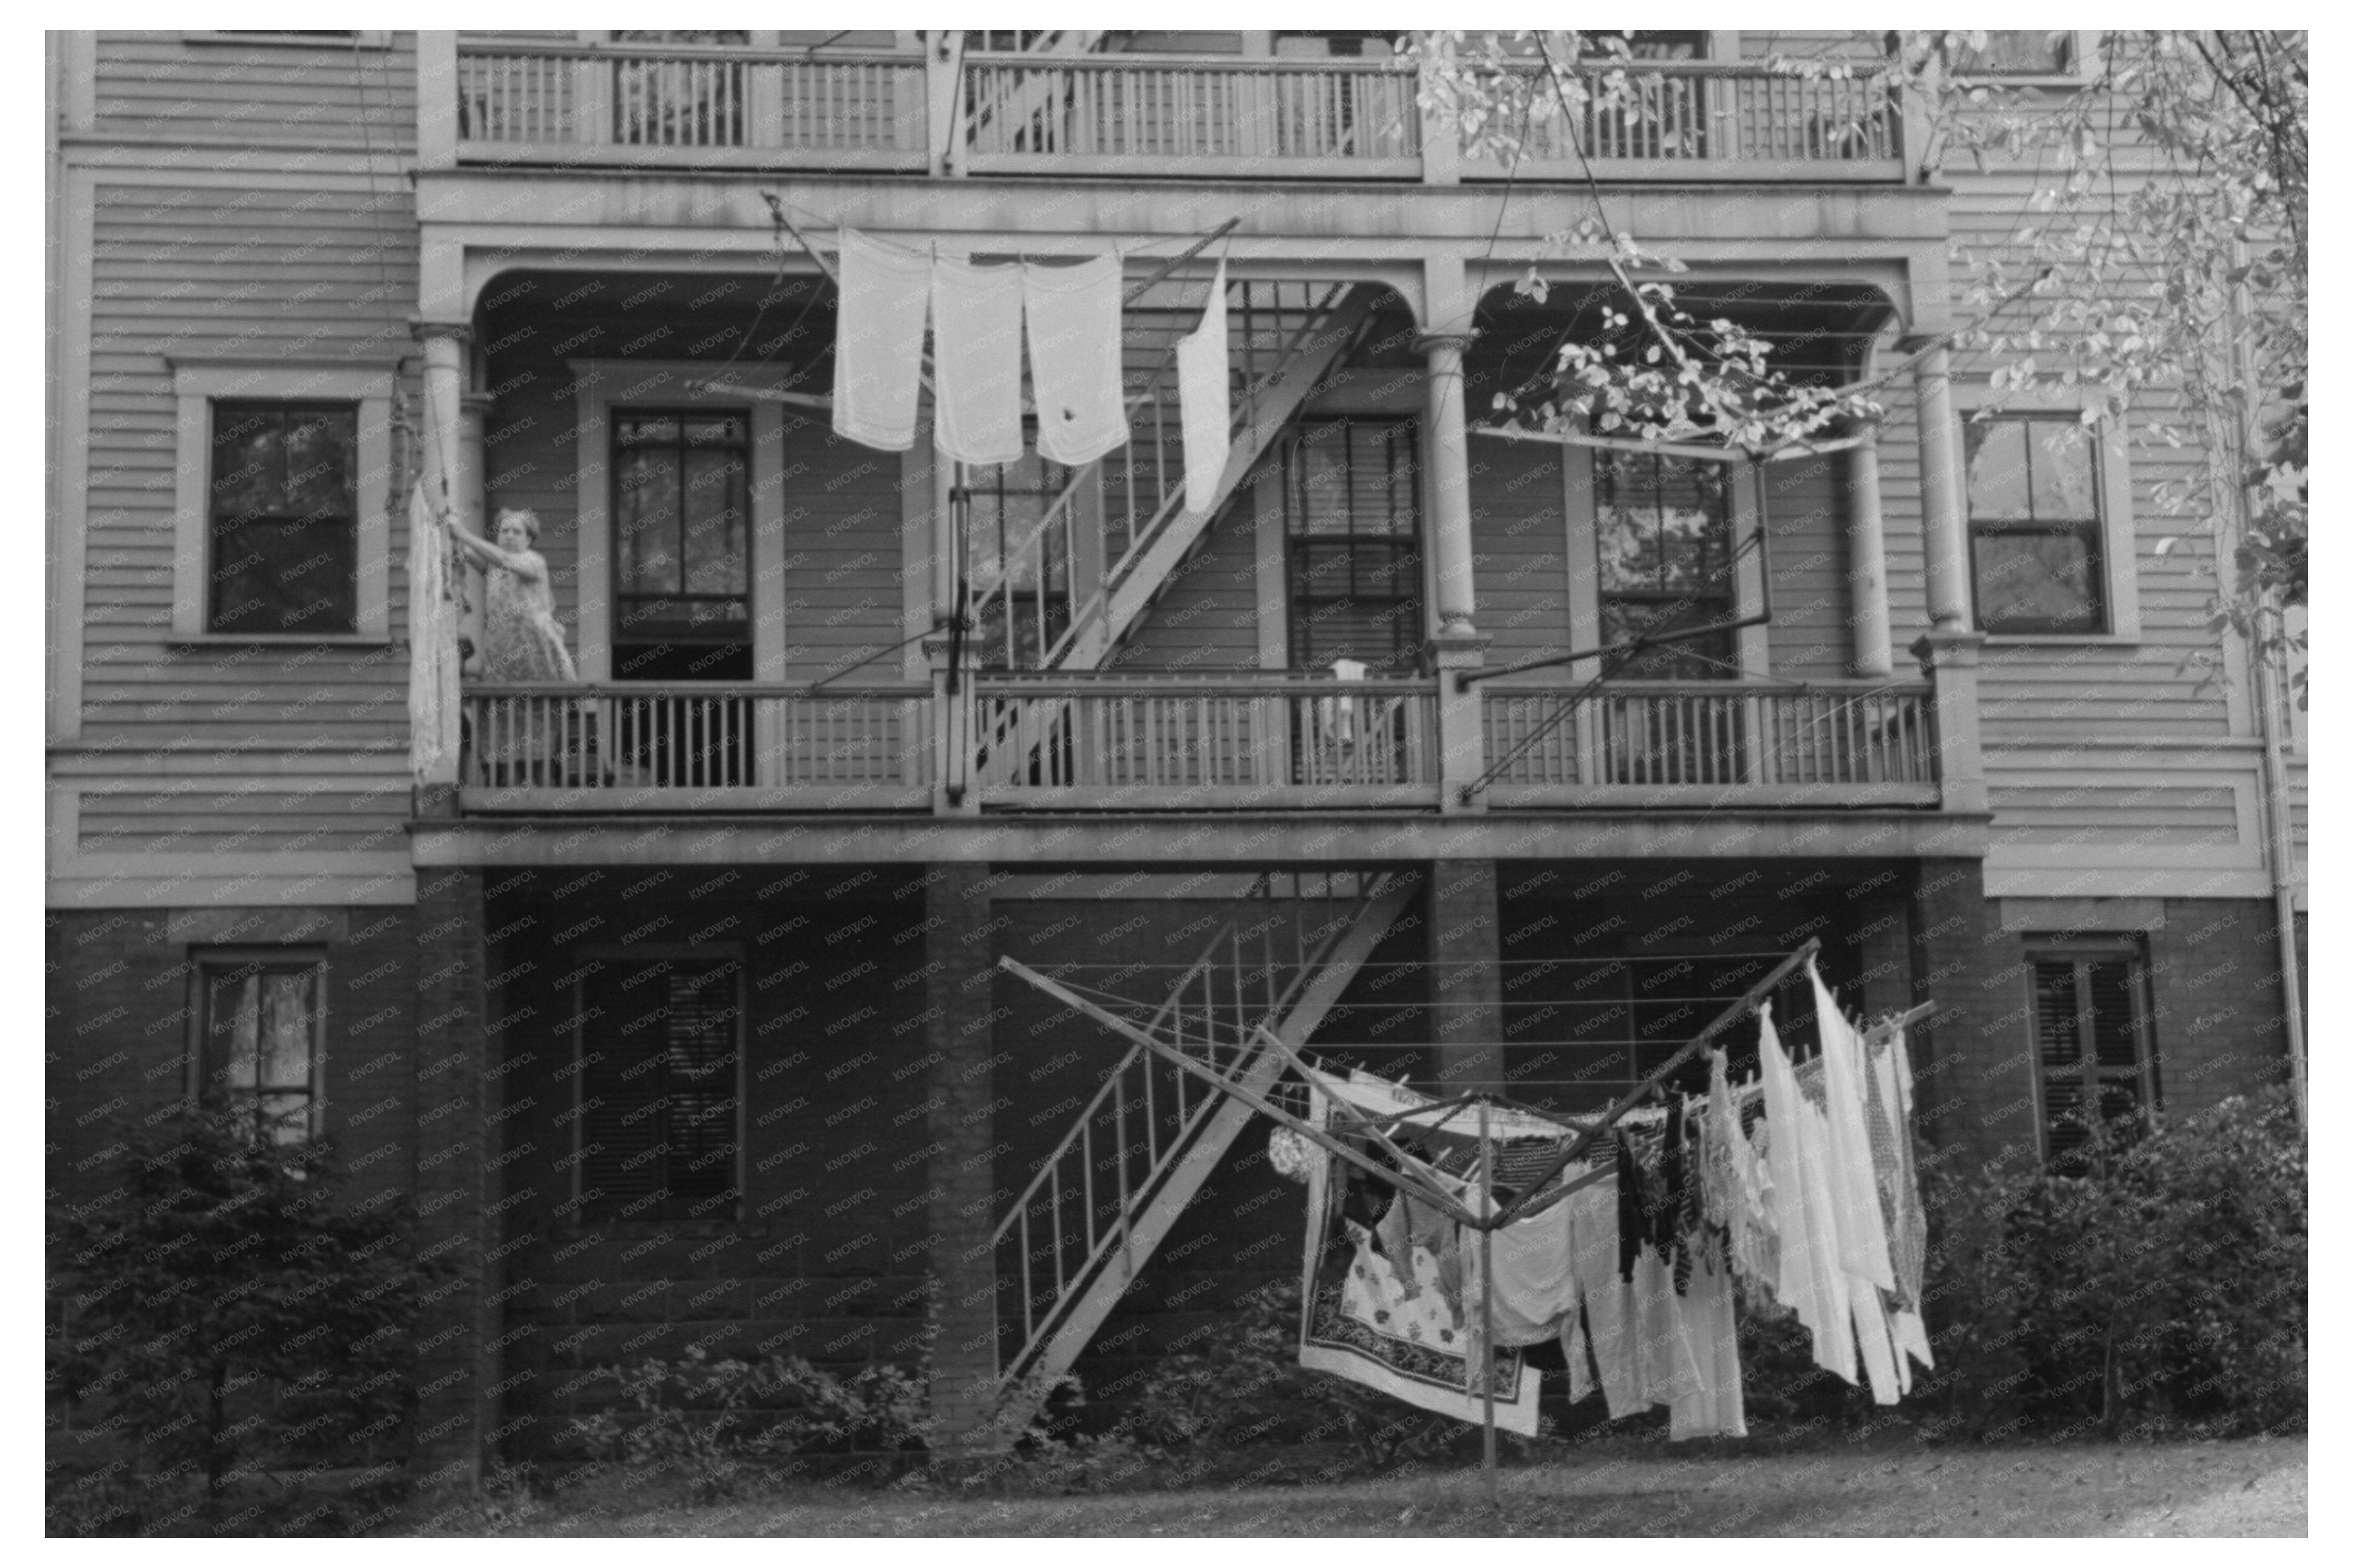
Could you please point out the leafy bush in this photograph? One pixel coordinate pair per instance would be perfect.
(1245, 1387)
(2161, 1289)
(218, 1319)
(721, 1426)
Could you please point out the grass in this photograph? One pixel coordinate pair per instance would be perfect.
(2251, 1487)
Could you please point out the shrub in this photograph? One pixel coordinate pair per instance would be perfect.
(219, 1318)
(2163, 1289)
(722, 1426)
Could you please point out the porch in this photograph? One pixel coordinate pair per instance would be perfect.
(1059, 108)
(1095, 741)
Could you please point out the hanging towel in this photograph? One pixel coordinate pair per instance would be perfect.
(1201, 393)
(1074, 347)
(976, 350)
(432, 647)
(878, 342)
(1854, 1185)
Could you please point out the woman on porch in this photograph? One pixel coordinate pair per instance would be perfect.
(522, 644)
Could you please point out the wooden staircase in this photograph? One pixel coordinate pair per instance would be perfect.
(1141, 1148)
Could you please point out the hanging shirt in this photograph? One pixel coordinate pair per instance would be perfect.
(1810, 1282)
(877, 342)
(1074, 358)
(1203, 396)
(977, 351)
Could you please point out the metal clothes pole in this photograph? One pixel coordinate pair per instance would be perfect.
(1487, 1296)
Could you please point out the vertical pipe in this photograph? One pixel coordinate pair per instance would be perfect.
(1487, 1302)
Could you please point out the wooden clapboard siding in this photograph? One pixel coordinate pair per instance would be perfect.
(1207, 619)
(1520, 547)
(1804, 501)
(307, 93)
(200, 254)
(844, 591)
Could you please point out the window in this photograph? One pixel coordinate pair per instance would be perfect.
(660, 1087)
(1352, 528)
(259, 1022)
(2019, 53)
(281, 530)
(1006, 502)
(2095, 1062)
(285, 547)
(681, 546)
(2035, 538)
(1663, 534)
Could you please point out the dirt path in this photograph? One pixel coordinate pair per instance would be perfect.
(2190, 1488)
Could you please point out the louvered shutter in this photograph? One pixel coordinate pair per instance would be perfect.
(660, 1090)
(2091, 1046)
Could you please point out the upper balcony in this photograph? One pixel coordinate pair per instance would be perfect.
(559, 105)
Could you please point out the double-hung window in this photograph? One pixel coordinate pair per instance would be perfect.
(284, 519)
(1352, 525)
(681, 547)
(259, 1025)
(1663, 534)
(282, 532)
(2095, 1057)
(2037, 547)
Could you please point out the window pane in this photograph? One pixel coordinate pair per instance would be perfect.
(2115, 1040)
(284, 1118)
(1699, 658)
(285, 576)
(249, 460)
(234, 997)
(2061, 460)
(1996, 471)
(319, 463)
(649, 518)
(2037, 582)
(714, 521)
(1628, 547)
(285, 1027)
(2018, 52)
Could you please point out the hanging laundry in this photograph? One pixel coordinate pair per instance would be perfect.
(1719, 1407)
(1205, 400)
(1810, 1282)
(1074, 349)
(877, 342)
(976, 355)
(432, 646)
(1863, 1232)
(1608, 1301)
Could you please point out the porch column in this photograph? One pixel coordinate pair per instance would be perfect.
(471, 492)
(1456, 647)
(455, 1362)
(1446, 449)
(1867, 557)
(1949, 659)
(1943, 517)
(1466, 986)
(962, 1170)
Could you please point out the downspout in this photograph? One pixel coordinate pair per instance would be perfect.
(2279, 822)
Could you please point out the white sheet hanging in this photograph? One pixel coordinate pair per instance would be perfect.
(976, 353)
(1075, 353)
(877, 342)
(1203, 396)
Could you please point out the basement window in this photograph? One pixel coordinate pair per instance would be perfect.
(2096, 1055)
(260, 1024)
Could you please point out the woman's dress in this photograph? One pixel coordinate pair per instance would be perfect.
(523, 643)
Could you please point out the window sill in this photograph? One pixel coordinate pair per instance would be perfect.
(2062, 639)
(2065, 80)
(373, 38)
(279, 639)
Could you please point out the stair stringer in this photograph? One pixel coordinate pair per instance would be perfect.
(1164, 1206)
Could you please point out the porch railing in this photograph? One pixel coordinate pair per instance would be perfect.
(1702, 119)
(1132, 113)
(1850, 743)
(553, 102)
(532, 102)
(612, 747)
(1111, 742)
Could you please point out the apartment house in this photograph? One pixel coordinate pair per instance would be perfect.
(672, 995)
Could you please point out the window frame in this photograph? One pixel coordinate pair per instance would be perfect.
(1414, 541)
(2113, 496)
(2077, 947)
(616, 416)
(197, 386)
(1581, 534)
(594, 956)
(203, 963)
(601, 388)
(2083, 65)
